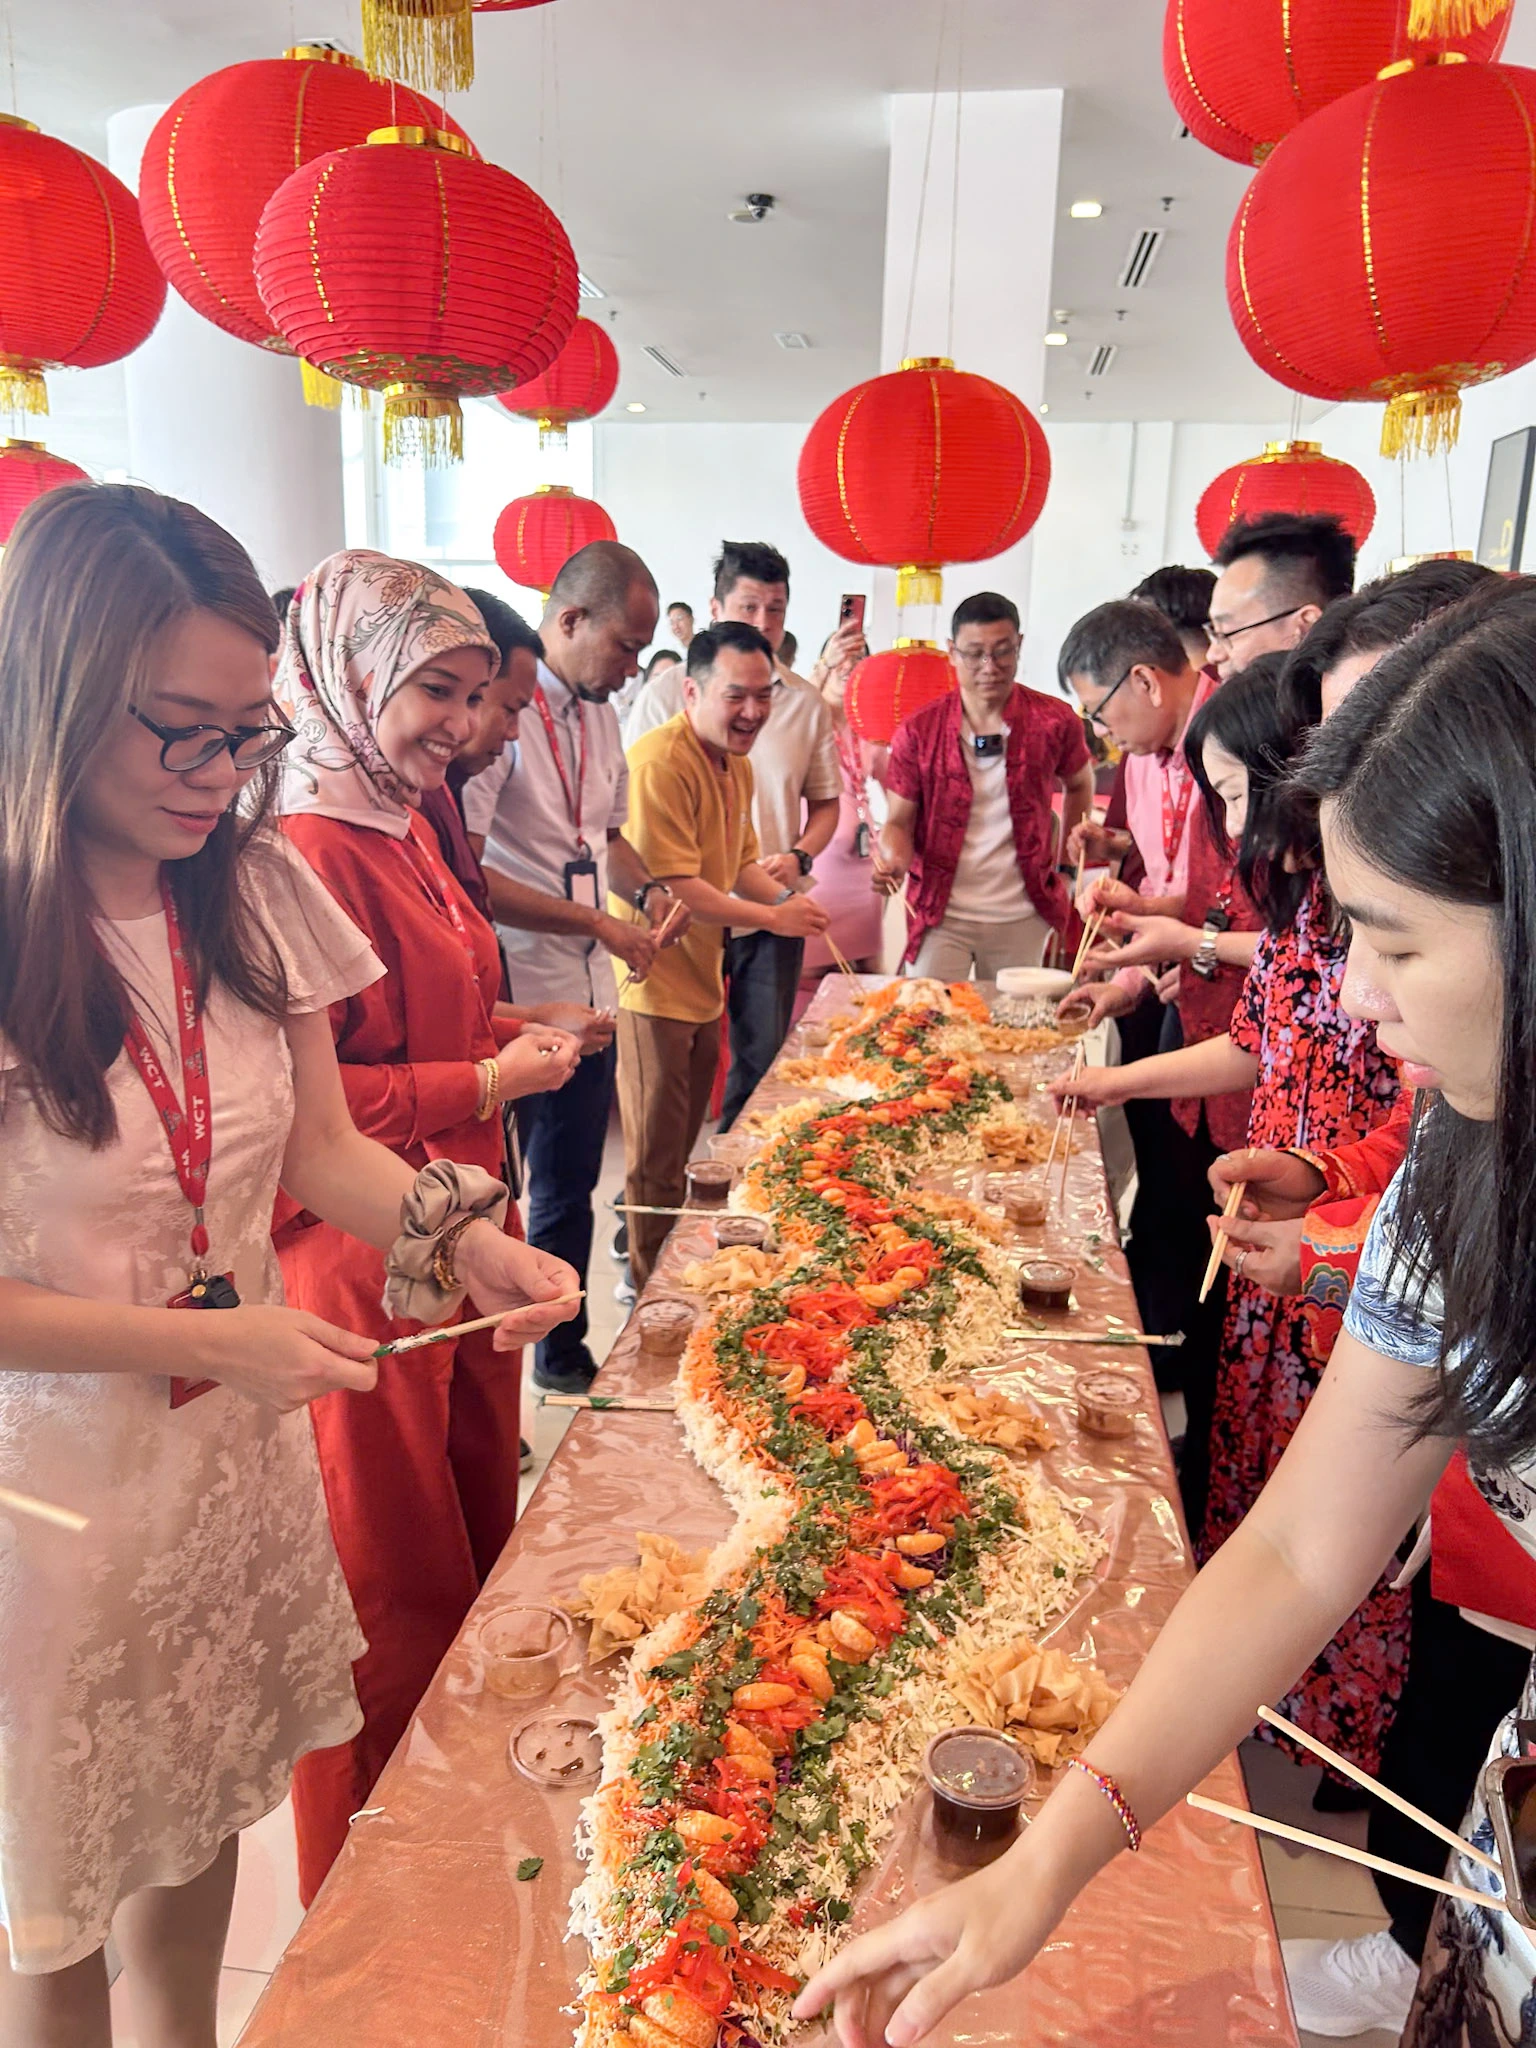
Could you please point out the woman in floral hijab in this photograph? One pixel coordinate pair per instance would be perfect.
(381, 671)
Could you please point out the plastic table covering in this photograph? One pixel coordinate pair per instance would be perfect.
(423, 1933)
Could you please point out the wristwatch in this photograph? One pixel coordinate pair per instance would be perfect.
(1203, 960)
(804, 859)
(644, 890)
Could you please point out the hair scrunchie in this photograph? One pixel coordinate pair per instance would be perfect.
(444, 1192)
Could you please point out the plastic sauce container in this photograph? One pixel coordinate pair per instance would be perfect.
(709, 1182)
(665, 1327)
(748, 1230)
(1045, 1285)
(1107, 1402)
(979, 1780)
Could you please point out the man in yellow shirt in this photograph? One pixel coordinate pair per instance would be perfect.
(690, 821)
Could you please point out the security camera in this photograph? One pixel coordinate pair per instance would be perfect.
(758, 207)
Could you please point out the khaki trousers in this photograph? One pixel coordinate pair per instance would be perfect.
(666, 1071)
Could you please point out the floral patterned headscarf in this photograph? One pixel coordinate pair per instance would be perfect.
(358, 627)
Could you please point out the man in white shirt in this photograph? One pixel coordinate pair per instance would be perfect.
(547, 824)
(795, 806)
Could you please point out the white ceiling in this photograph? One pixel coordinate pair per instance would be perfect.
(644, 121)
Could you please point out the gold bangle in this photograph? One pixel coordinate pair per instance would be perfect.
(442, 1254)
(492, 1073)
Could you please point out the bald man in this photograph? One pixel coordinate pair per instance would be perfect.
(548, 824)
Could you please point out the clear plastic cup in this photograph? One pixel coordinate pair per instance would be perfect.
(522, 1650)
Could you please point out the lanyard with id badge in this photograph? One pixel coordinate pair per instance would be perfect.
(581, 873)
(190, 1132)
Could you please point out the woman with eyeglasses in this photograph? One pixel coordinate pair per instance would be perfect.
(382, 670)
(166, 967)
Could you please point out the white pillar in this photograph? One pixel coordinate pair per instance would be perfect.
(998, 245)
(224, 425)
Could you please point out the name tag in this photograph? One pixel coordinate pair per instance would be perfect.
(581, 883)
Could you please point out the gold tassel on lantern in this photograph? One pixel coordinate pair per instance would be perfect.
(21, 387)
(1421, 422)
(552, 433)
(319, 387)
(916, 584)
(1431, 20)
(421, 427)
(426, 43)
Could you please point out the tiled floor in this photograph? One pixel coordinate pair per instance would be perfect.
(1313, 1894)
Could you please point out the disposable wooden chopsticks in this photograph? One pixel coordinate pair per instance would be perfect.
(1262, 1825)
(1234, 1202)
(1369, 1784)
(658, 1406)
(42, 1511)
(1090, 937)
(1132, 1340)
(659, 1209)
(451, 1331)
(839, 957)
(661, 937)
(1064, 1126)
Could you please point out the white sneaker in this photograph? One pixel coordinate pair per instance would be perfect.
(1344, 1988)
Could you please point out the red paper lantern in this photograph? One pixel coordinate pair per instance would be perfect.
(219, 152)
(419, 271)
(26, 471)
(926, 465)
(78, 286)
(536, 536)
(886, 688)
(1385, 250)
(1290, 476)
(506, 6)
(1243, 73)
(576, 386)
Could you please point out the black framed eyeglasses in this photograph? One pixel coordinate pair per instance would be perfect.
(186, 747)
(1226, 636)
(1096, 718)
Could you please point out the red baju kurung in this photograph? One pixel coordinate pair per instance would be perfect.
(421, 1475)
(1323, 1082)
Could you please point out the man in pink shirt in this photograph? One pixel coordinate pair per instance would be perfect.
(1134, 679)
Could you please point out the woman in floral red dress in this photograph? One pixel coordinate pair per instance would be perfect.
(1319, 1081)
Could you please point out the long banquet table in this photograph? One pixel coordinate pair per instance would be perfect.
(423, 1933)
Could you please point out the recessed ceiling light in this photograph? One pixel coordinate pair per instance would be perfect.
(1085, 209)
(1056, 339)
(634, 405)
(1044, 406)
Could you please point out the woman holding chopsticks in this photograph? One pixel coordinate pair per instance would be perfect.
(382, 670)
(1427, 783)
(165, 1059)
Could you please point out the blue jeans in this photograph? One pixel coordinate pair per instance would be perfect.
(763, 973)
(563, 1135)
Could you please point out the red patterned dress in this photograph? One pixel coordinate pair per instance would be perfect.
(1323, 1082)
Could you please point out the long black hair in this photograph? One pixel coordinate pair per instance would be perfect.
(1252, 719)
(1429, 769)
(1380, 615)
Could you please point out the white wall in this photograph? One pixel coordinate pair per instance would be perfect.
(675, 491)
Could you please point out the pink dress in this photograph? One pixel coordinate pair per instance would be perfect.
(162, 1670)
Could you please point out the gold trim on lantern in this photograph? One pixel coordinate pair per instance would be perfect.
(21, 387)
(421, 426)
(905, 646)
(552, 491)
(1430, 19)
(425, 43)
(1423, 63)
(1421, 422)
(928, 363)
(1289, 451)
(424, 138)
(23, 447)
(919, 583)
(316, 53)
(320, 387)
(15, 121)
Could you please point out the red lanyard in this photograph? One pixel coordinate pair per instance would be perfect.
(572, 797)
(435, 883)
(190, 1134)
(1175, 815)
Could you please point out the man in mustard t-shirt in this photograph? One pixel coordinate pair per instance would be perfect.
(690, 821)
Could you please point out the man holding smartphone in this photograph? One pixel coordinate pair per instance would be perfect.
(798, 783)
(971, 784)
(547, 823)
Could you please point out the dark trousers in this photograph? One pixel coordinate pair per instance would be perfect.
(1461, 1683)
(563, 1135)
(763, 972)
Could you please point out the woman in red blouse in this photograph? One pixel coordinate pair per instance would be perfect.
(382, 669)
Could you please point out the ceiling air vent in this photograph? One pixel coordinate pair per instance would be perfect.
(659, 355)
(1138, 264)
(1103, 358)
(792, 338)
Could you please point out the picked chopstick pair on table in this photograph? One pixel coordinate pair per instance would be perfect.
(1262, 1825)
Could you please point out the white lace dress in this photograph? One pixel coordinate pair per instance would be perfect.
(160, 1673)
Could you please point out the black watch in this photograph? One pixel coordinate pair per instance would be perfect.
(644, 890)
(806, 860)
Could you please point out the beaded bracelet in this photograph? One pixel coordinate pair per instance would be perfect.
(1115, 1796)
